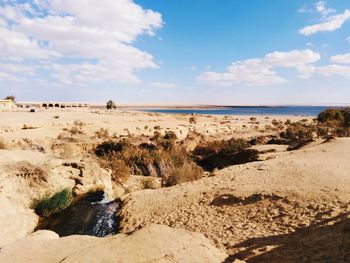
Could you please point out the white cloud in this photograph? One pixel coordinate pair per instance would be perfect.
(328, 23)
(341, 59)
(332, 70)
(323, 10)
(262, 71)
(94, 41)
(165, 85)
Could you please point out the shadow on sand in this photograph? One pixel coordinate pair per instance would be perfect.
(327, 241)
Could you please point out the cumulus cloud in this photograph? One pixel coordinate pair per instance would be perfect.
(79, 41)
(327, 22)
(262, 71)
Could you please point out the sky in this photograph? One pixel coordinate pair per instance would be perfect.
(227, 52)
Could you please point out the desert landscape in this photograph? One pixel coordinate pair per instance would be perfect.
(142, 131)
(241, 188)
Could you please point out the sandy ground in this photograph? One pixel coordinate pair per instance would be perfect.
(288, 207)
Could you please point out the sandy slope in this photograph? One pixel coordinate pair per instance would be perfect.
(260, 211)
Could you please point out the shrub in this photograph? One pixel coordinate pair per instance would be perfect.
(220, 154)
(187, 172)
(54, 204)
(148, 183)
(161, 158)
(334, 122)
(120, 171)
(192, 120)
(11, 97)
(230, 146)
(110, 105)
(102, 133)
(275, 122)
(31, 172)
(298, 135)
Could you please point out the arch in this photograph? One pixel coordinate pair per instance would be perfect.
(63, 106)
(50, 105)
(44, 105)
(57, 105)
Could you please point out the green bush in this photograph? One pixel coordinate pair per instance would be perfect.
(54, 204)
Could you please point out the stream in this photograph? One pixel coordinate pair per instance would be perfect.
(91, 214)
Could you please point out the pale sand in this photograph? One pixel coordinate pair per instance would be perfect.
(290, 207)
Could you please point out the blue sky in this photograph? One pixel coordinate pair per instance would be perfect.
(176, 52)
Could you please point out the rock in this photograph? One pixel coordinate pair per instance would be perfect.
(15, 220)
(155, 243)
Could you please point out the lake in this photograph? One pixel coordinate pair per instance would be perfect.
(283, 110)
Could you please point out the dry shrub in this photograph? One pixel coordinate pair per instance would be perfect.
(163, 158)
(298, 134)
(30, 172)
(334, 122)
(148, 183)
(220, 154)
(102, 133)
(120, 171)
(193, 120)
(28, 127)
(187, 172)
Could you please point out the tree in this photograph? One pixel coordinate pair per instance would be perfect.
(110, 105)
(11, 97)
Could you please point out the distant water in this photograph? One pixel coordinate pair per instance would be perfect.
(285, 110)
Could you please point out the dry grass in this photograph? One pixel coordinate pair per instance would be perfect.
(102, 133)
(148, 183)
(32, 173)
(298, 134)
(162, 158)
(334, 122)
(220, 154)
(120, 171)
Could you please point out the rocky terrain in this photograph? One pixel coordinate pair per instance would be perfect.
(288, 206)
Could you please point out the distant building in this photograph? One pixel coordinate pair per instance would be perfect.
(7, 105)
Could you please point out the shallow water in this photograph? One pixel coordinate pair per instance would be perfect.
(90, 214)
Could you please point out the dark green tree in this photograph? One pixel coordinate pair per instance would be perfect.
(110, 105)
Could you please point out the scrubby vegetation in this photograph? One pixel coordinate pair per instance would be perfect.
(220, 154)
(334, 122)
(162, 157)
(102, 133)
(298, 134)
(33, 173)
(110, 105)
(54, 204)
